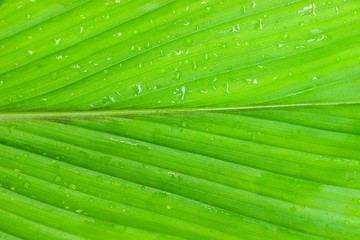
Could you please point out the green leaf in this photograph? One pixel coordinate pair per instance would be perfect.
(183, 119)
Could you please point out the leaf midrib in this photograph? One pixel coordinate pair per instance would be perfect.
(147, 111)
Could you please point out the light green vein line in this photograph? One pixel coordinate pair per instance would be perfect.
(125, 112)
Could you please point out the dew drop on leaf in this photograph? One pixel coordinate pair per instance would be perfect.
(26, 185)
(57, 179)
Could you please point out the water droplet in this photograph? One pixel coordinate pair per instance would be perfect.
(308, 10)
(79, 210)
(259, 24)
(301, 23)
(177, 75)
(26, 185)
(286, 35)
(57, 41)
(235, 28)
(242, 10)
(227, 87)
(136, 88)
(183, 90)
(57, 179)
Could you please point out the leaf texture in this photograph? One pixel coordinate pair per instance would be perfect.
(181, 54)
(183, 119)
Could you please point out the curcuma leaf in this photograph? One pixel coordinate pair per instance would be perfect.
(180, 119)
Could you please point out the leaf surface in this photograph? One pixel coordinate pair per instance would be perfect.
(183, 119)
